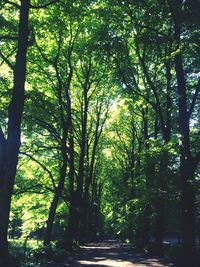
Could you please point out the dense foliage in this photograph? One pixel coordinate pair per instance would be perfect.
(99, 126)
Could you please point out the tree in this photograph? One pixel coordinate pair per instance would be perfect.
(10, 144)
(188, 161)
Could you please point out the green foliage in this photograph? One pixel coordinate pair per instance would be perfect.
(110, 65)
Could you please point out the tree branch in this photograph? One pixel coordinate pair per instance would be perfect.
(152, 87)
(29, 189)
(48, 127)
(12, 3)
(8, 37)
(153, 30)
(5, 59)
(41, 165)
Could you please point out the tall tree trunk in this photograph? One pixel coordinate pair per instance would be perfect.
(160, 219)
(144, 227)
(187, 167)
(165, 124)
(81, 168)
(92, 206)
(188, 209)
(71, 231)
(88, 182)
(12, 144)
(186, 164)
(96, 226)
(56, 198)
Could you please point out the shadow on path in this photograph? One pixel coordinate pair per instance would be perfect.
(110, 253)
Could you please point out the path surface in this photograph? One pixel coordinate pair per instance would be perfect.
(110, 253)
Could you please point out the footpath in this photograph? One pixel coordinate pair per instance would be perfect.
(110, 253)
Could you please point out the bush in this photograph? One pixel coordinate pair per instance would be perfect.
(32, 254)
(23, 255)
(50, 252)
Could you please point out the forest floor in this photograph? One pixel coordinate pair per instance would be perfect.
(110, 253)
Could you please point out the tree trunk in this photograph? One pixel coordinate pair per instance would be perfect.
(160, 219)
(54, 203)
(12, 144)
(188, 209)
(96, 223)
(88, 182)
(187, 167)
(142, 234)
(73, 223)
(71, 232)
(81, 168)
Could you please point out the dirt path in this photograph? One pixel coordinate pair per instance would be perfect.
(110, 253)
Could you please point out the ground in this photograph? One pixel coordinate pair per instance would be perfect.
(110, 253)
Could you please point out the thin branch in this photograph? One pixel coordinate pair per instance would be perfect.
(50, 189)
(48, 127)
(41, 165)
(8, 37)
(72, 42)
(49, 79)
(43, 147)
(152, 87)
(50, 61)
(5, 59)
(153, 30)
(97, 84)
(12, 3)
(28, 190)
(123, 144)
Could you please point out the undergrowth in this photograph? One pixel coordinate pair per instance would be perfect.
(27, 253)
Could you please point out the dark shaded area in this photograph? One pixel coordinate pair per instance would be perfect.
(110, 253)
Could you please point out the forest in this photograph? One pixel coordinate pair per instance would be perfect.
(99, 127)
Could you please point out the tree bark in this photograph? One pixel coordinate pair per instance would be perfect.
(71, 231)
(186, 172)
(160, 219)
(187, 166)
(160, 216)
(81, 168)
(143, 235)
(88, 182)
(54, 203)
(12, 144)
